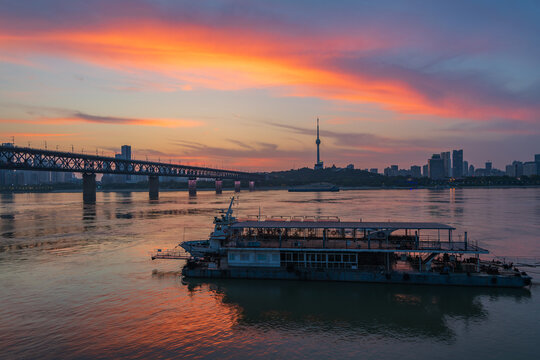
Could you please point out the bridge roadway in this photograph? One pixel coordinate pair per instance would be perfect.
(23, 158)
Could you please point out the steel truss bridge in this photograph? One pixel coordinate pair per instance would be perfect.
(23, 158)
(17, 158)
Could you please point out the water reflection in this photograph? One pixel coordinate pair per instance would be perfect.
(89, 216)
(124, 197)
(7, 216)
(388, 310)
(6, 198)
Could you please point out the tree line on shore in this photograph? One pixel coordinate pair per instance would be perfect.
(305, 176)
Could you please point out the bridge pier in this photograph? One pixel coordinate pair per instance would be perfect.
(89, 188)
(153, 187)
(251, 185)
(219, 186)
(192, 186)
(237, 186)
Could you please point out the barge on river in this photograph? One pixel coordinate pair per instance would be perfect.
(327, 249)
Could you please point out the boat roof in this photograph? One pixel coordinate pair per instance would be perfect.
(269, 224)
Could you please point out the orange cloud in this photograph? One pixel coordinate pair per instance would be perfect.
(230, 59)
(80, 117)
(40, 135)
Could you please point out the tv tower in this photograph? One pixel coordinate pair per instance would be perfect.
(319, 163)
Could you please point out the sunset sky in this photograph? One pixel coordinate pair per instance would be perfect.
(239, 84)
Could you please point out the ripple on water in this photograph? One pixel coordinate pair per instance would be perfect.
(77, 282)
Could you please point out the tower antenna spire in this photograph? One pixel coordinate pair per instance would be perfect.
(319, 164)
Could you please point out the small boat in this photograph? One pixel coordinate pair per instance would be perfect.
(328, 249)
(316, 187)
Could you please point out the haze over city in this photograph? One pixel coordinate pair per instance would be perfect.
(240, 84)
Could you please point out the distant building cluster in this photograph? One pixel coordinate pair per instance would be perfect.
(451, 165)
(125, 154)
(29, 178)
(528, 168)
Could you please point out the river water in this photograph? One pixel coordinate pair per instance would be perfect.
(77, 282)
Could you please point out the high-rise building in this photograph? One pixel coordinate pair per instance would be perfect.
(530, 168)
(126, 152)
(519, 168)
(457, 160)
(471, 170)
(126, 155)
(436, 167)
(465, 168)
(447, 164)
(319, 164)
(510, 171)
(425, 170)
(537, 161)
(374, 170)
(488, 168)
(515, 169)
(416, 171)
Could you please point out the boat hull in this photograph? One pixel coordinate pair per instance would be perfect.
(417, 278)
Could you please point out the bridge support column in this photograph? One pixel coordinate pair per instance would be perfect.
(153, 187)
(89, 188)
(219, 186)
(251, 185)
(237, 186)
(192, 186)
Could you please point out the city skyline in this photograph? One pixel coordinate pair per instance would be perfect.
(239, 85)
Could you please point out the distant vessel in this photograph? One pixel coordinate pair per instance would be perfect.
(314, 187)
(325, 248)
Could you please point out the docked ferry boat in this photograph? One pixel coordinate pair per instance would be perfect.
(328, 249)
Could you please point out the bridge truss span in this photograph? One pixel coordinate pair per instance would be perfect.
(19, 158)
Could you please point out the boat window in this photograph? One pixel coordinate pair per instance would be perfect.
(244, 257)
(231, 256)
(261, 257)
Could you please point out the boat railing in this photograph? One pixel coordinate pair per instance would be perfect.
(328, 219)
(175, 253)
(279, 218)
(291, 218)
(254, 218)
(348, 243)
